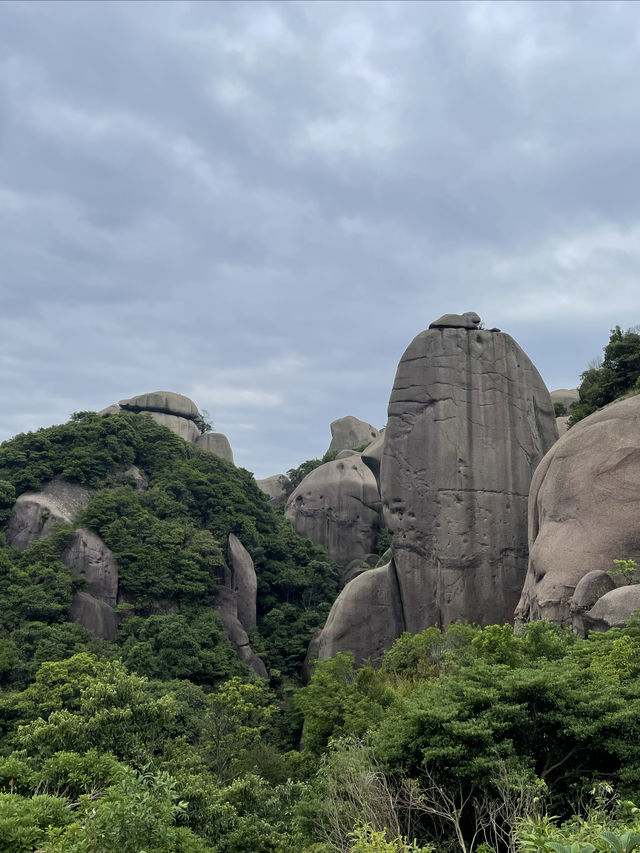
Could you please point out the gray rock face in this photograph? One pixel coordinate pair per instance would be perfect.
(366, 617)
(243, 581)
(88, 556)
(216, 442)
(563, 424)
(227, 608)
(468, 320)
(275, 488)
(35, 513)
(337, 506)
(565, 395)
(469, 420)
(372, 456)
(183, 427)
(94, 615)
(614, 609)
(583, 509)
(349, 432)
(167, 402)
(588, 590)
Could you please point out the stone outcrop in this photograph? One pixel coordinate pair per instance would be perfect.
(337, 506)
(372, 457)
(94, 615)
(275, 488)
(243, 581)
(87, 556)
(583, 509)
(216, 442)
(167, 402)
(349, 432)
(588, 590)
(613, 609)
(468, 320)
(469, 420)
(227, 608)
(35, 513)
(179, 414)
(366, 618)
(566, 396)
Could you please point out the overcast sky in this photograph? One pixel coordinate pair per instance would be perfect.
(259, 205)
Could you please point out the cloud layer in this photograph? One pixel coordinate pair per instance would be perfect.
(260, 204)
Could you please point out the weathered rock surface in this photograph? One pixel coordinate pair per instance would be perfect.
(588, 590)
(35, 513)
(167, 402)
(243, 581)
(349, 432)
(88, 556)
(469, 420)
(366, 617)
(345, 454)
(567, 396)
(275, 488)
(94, 615)
(468, 320)
(337, 506)
(183, 427)
(372, 456)
(583, 509)
(216, 442)
(227, 608)
(563, 424)
(614, 609)
(179, 414)
(133, 476)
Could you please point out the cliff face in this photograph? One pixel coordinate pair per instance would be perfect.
(469, 421)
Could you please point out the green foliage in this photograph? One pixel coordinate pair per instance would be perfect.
(560, 409)
(626, 569)
(296, 475)
(618, 374)
(367, 840)
(24, 821)
(341, 700)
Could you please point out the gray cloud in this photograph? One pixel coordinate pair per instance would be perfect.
(260, 204)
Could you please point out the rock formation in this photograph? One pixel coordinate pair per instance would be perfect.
(337, 506)
(613, 609)
(349, 432)
(179, 414)
(583, 509)
(216, 442)
(275, 488)
(469, 420)
(87, 556)
(468, 320)
(35, 513)
(244, 582)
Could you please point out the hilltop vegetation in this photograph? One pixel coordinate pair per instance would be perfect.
(463, 740)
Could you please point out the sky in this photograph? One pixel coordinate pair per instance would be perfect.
(259, 205)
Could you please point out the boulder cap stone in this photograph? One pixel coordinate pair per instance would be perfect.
(468, 320)
(349, 432)
(167, 402)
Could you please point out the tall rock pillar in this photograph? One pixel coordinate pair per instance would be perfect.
(469, 420)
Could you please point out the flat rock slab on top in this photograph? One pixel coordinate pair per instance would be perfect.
(163, 401)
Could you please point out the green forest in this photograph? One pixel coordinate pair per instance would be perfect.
(464, 740)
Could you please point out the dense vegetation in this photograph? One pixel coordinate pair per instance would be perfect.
(163, 742)
(617, 375)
